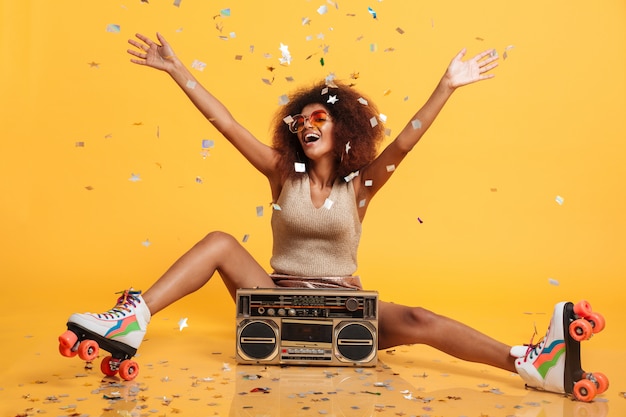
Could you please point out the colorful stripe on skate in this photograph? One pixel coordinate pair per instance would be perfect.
(122, 328)
(549, 357)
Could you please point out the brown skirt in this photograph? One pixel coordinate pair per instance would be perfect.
(351, 282)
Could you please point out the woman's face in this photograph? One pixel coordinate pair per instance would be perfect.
(316, 131)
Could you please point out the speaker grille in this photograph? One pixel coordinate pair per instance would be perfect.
(356, 341)
(258, 339)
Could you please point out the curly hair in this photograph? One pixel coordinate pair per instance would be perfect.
(356, 140)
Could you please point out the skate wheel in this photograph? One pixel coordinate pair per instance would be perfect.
(580, 330)
(602, 382)
(584, 390)
(68, 339)
(582, 309)
(597, 322)
(105, 366)
(66, 351)
(129, 370)
(88, 350)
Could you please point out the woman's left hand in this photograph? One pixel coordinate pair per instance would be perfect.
(461, 72)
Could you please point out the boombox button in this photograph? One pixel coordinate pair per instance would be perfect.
(292, 312)
(271, 311)
(281, 311)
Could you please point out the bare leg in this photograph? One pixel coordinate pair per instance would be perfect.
(401, 325)
(217, 251)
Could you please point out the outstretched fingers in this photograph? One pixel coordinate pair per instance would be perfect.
(486, 61)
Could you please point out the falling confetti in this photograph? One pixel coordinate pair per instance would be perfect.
(111, 28)
(207, 143)
(259, 211)
(285, 59)
(328, 204)
(332, 99)
(300, 167)
(134, 178)
(182, 323)
(245, 238)
(198, 65)
(372, 12)
(559, 200)
(505, 55)
(416, 124)
(350, 176)
(322, 9)
(553, 281)
(146, 243)
(282, 100)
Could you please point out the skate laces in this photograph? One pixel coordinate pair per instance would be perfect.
(125, 304)
(533, 347)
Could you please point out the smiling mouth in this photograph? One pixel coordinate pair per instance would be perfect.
(311, 137)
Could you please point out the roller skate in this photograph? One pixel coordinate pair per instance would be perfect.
(119, 331)
(554, 363)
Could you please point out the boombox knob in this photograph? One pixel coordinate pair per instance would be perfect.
(352, 304)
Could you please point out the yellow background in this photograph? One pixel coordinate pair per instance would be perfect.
(484, 179)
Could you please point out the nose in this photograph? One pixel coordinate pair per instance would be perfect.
(307, 121)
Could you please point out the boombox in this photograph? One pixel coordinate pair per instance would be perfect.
(302, 326)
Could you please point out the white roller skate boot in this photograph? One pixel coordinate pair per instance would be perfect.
(554, 363)
(119, 331)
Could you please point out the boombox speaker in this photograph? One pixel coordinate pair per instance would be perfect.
(303, 326)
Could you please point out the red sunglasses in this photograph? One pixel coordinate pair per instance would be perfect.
(317, 118)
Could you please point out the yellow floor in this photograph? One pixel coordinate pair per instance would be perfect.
(192, 372)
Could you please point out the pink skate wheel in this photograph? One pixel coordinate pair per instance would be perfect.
(68, 339)
(129, 370)
(66, 351)
(105, 366)
(580, 330)
(597, 322)
(582, 309)
(88, 350)
(584, 390)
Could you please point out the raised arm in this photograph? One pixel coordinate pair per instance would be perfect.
(458, 73)
(161, 56)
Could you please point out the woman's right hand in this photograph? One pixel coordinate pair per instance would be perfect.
(155, 55)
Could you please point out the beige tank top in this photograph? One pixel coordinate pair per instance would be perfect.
(315, 242)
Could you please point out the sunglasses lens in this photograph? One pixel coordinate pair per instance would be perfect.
(318, 118)
(297, 124)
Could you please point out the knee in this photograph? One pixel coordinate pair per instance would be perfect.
(418, 316)
(217, 240)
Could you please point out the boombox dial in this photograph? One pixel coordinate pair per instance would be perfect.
(352, 304)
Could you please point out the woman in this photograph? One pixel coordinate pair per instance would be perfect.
(323, 170)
